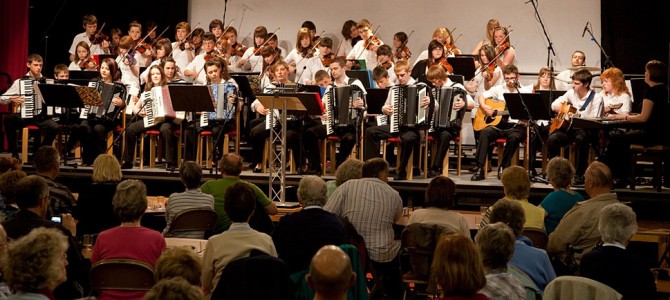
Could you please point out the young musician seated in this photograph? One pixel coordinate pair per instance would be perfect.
(251, 60)
(385, 59)
(71, 118)
(18, 96)
(588, 103)
(299, 57)
(442, 35)
(321, 61)
(367, 47)
(436, 51)
(316, 130)
(273, 42)
(182, 47)
(195, 71)
(322, 78)
(270, 57)
(400, 49)
(381, 77)
(170, 70)
(84, 60)
(438, 77)
(513, 130)
(564, 78)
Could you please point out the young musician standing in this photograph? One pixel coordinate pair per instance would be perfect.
(163, 50)
(14, 122)
(490, 26)
(442, 35)
(297, 59)
(513, 130)
(588, 103)
(129, 68)
(321, 61)
(438, 77)
(385, 59)
(182, 48)
(400, 49)
(135, 32)
(90, 24)
(420, 69)
(195, 71)
(351, 37)
(501, 42)
(270, 57)
(366, 48)
(234, 51)
(251, 60)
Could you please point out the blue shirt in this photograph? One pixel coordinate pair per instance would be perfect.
(228, 89)
(533, 261)
(557, 204)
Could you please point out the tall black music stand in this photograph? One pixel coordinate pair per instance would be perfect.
(375, 99)
(463, 65)
(191, 99)
(365, 76)
(244, 85)
(527, 106)
(65, 97)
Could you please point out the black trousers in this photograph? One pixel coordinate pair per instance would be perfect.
(259, 134)
(93, 136)
(442, 138)
(216, 127)
(514, 134)
(583, 138)
(409, 142)
(372, 137)
(13, 123)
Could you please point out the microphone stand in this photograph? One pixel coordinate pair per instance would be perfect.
(531, 122)
(550, 47)
(608, 61)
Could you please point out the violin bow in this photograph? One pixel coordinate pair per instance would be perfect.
(274, 33)
(405, 42)
(186, 37)
(374, 33)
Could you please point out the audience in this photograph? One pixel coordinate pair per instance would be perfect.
(560, 173)
(440, 198)
(516, 186)
(330, 273)
(611, 264)
(173, 289)
(179, 262)
(457, 268)
(5, 291)
(35, 264)
(8, 183)
(373, 206)
(579, 226)
(9, 164)
(96, 212)
(532, 261)
(231, 167)
(47, 165)
(350, 169)
(238, 240)
(496, 246)
(193, 198)
(300, 235)
(129, 240)
(32, 197)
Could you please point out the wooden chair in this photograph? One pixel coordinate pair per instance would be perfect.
(539, 237)
(418, 242)
(445, 161)
(153, 140)
(197, 219)
(122, 274)
(409, 167)
(654, 154)
(266, 155)
(24, 142)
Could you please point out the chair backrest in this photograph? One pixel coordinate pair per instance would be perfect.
(198, 219)
(122, 274)
(418, 240)
(259, 276)
(578, 288)
(532, 291)
(537, 236)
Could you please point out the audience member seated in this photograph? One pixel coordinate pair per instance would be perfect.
(193, 198)
(560, 173)
(496, 245)
(238, 241)
(516, 186)
(350, 169)
(457, 268)
(532, 261)
(35, 264)
(96, 212)
(330, 273)
(47, 165)
(129, 240)
(8, 183)
(32, 197)
(300, 235)
(5, 291)
(179, 262)
(9, 164)
(440, 198)
(373, 206)
(174, 289)
(611, 264)
(579, 227)
(231, 167)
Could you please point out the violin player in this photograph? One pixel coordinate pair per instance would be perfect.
(367, 47)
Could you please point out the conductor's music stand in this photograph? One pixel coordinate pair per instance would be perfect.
(527, 106)
(191, 99)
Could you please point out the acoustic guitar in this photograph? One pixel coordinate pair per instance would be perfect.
(563, 118)
(482, 120)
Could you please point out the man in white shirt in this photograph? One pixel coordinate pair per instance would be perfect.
(564, 78)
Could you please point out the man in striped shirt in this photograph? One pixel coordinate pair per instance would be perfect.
(191, 175)
(373, 206)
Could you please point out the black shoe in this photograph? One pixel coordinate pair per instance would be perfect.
(402, 175)
(258, 170)
(578, 181)
(478, 176)
(475, 169)
(434, 173)
(170, 167)
(393, 171)
(127, 165)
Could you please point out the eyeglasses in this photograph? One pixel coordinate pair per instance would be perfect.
(510, 78)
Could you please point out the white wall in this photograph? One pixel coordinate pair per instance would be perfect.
(564, 21)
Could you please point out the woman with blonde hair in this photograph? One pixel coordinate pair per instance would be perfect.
(544, 81)
(95, 200)
(490, 26)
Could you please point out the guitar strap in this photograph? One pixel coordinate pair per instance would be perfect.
(588, 101)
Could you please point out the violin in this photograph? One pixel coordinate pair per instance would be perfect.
(326, 60)
(237, 50)
(502, 47)
(451, 49)
(213, 54)
(88, 63)
(371, 42)
(142, 47)
(403, 53)
(97, 37)
(130, 56)
(445, 64)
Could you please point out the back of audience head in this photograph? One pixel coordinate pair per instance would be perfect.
(130, 200)
(560, 172)
(8, 184)
(31, 191)
(9, 164)
(617, 223)
(349, 169)
(191, 174)
(330, 272)
(376, 168)
(239, 202)
(457, 268)
(179, 262)
(173, 289)
(312, 191)
(510, 213)
(231, 164)
(598, 176)
(3, 243)
(496, 245)
(106, 168)
(36, 262)
(441, 193)
(515, 182)
(46, 159)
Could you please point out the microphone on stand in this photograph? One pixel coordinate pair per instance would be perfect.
(586, 28)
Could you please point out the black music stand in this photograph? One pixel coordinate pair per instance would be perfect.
(191, 99)
(365, 76)
(457, 78)
(463, 65)
(242, 81)
(65, 97)
(83, 75)
(375, 99)
(548, 96)
(527, 106)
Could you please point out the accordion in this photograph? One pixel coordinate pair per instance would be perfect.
(444, 115)
(338, 103)
(31, 104)
(107, 111)
(223, 109)
(407, 112)
(158, 106)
